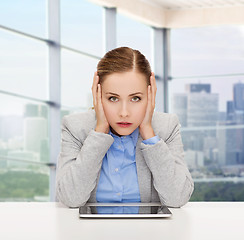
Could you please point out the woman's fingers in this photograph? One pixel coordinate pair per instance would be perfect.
(94, 88)
(149, 102)
(99, 96)
(153, 88)
(102, 123)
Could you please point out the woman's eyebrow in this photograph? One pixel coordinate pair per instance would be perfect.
(136, 93)
(132, 94)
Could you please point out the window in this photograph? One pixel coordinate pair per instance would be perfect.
(207, 51)
(77, 77)
(23, 65)
(24, 138)
(206, 92)
(136, 35)
(81, 26)
(24, 150)
(24, 92)
(26, 16)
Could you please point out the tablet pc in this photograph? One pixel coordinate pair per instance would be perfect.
(124, 210)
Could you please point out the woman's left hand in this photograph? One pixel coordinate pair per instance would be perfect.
(145, 127)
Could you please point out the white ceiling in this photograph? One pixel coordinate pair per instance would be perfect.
(193, 4)
(180, 13)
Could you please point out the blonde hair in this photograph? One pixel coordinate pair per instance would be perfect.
(123, 59)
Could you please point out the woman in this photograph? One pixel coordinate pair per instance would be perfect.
(121, 150)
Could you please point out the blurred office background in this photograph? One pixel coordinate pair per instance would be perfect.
(49, 50)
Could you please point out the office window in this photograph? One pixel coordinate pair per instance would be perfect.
(207, 92)
(207, 51)
(81, 26)
(131, 33)
(24, 92)
(24, 123)
(24, 150)
(23, 65)
(77, 77)
(26, 15)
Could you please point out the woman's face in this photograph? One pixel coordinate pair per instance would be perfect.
(124, 99)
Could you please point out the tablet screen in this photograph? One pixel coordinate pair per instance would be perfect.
(124, 210)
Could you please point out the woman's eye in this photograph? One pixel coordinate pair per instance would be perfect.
(113, 99)
(136, 99)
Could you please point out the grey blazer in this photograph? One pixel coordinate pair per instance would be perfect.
(162, 173)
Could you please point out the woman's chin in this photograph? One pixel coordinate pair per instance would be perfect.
(122, 131)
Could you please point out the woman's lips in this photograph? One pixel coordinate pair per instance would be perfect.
(124, 124)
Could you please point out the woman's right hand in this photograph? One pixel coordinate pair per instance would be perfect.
(102, 123)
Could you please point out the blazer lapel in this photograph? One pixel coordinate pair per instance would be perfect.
(143, 173)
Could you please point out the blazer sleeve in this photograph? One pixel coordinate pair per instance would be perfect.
(165, 159)
(79, 164)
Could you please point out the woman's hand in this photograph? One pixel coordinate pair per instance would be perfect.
(145, 127)
(102, 123)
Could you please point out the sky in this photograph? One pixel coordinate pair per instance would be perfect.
(24, 62)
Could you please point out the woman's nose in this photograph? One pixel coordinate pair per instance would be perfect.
(124, 111)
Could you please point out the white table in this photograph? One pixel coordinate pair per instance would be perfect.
(44, 221)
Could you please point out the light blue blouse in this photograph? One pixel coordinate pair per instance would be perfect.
(118, 178)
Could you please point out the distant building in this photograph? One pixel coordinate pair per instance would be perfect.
(202, 105)
(238, 91)
(15, 143)
(221, 144)
(180, 107)
(197, 107)
(10, 127)
(192, 88)
(34, 110)
(210, 147)
(230, 111)
(31, 110)
(235, 134)
(222, 117)
(230, 135)
(44, 150)
(194, 159)
(197, 110)
(203, 142)
(35, 132)
(202, 109)
(234, 145)
(43, 111)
